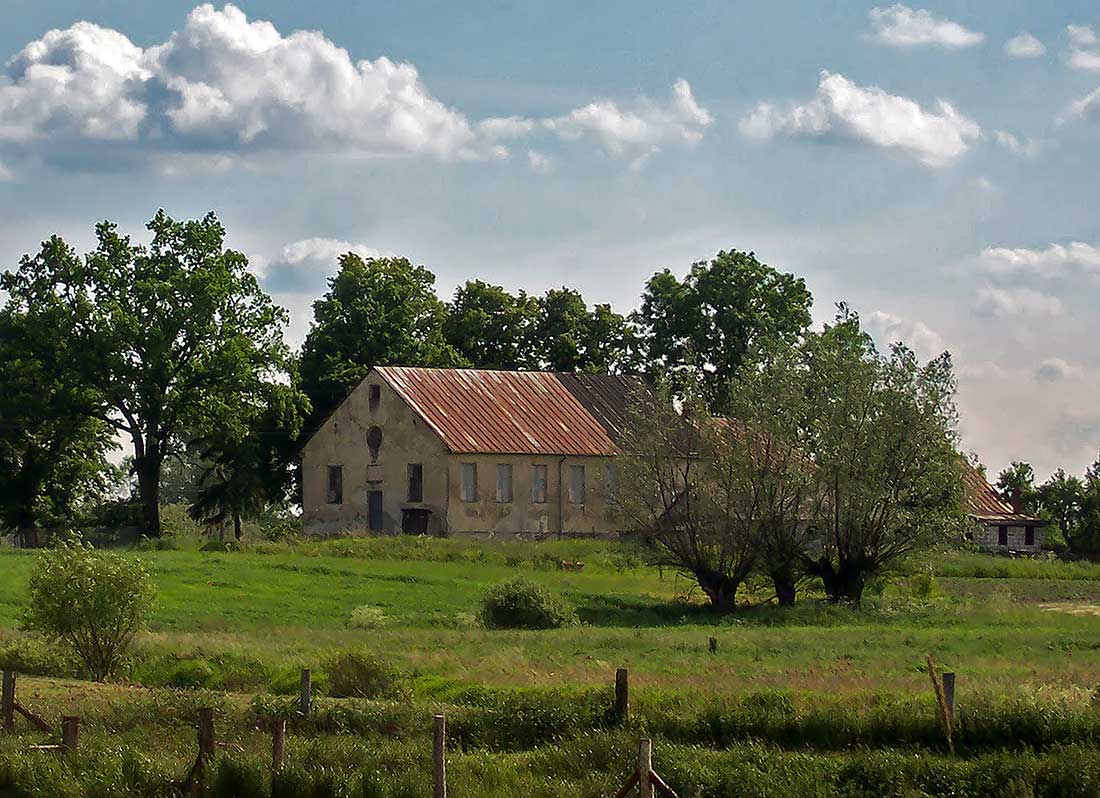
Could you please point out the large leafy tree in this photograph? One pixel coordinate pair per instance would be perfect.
(1061, 499)
(570, 337)
(248, 469)
(491, 328)
(173, 337)
(1017, 484)
(376, 312)
(708, 322)
(884, 450)
(52, 450)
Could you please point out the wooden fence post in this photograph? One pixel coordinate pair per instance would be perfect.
(439, 757)
(70, 733)
(306, 700)
(7, 702)
(712, 644)
(206, 732)
(645, 766)
(949, 695)
(622, 694)
(278, 744)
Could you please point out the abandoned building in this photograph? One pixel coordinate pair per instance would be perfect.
(469, 453)
(1000, 526)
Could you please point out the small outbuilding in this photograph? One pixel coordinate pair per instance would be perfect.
(1000, 526)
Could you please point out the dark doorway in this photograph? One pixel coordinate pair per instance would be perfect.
(415, 521)
(374, 510)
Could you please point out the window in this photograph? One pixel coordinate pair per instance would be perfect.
(576, 484)
(611, 483)
(1029, 536)
(1002, 536)
(335, 484)
(538, 484)
(375, 397)
(414, 521)
(374, 442)
(416, 482)
(469, 482)
(504, 483)
(374, 510)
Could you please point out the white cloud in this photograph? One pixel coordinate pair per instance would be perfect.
(643, 128)
(539, 162)
(1085, 60)
(901, 26)
(1055, 369)
(1087, 106)
(1029, 148)
(984, 184)
(304, 265)
(84, 81)
(887, 329)
(1024, 46)
(869, 115)
(1081, 35)
(995, 302)
(506, 127)
(6, 174)
(1056, 260)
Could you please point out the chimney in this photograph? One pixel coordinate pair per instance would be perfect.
(1017, 501)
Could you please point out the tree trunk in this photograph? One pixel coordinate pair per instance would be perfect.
(147, 467)
(843, 582)
(784, 582)
(720, 589)
(237, 525)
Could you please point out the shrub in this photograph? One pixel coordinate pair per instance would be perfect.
(363, 674)
(92, 601)
(522, 604)
(367, 617)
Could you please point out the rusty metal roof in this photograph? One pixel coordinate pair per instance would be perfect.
(983, 503)
(504, 412)
(607, 397)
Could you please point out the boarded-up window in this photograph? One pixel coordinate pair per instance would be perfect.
(335, 484)
(504, 483)
(414, 521)
(1002, 536)
(538, 484)
(375, 397)
(416, 482)
(1029, 536)
(469, 482)
(576, 484)
(611, 483)
(374, 442)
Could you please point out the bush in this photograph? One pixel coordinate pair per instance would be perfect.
(363, 674)
(92, 601)
(522, 604)
(367, 617)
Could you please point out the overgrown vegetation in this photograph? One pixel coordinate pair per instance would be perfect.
(523, 604)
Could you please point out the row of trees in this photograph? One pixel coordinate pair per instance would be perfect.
(174, 347)
(1070, 503)
(832, 460)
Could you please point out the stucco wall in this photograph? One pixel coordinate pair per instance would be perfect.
(342, 440)
(986, 536)
(487, 518)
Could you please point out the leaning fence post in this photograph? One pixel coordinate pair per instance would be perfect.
(70, 733)
(622, 693)
(439, 757)
(949, 695)
(645, 766)
(306, 700)
(278, 744)
(7, 702)
(712, 645)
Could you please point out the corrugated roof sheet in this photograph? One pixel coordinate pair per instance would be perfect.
(501, 412)
(983, 503)
(607, 397)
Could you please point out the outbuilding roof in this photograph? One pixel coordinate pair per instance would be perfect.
(517, 412)
(984, 504)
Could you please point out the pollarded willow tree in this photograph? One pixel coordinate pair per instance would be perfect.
(173, 338)
(885, 455)
(676, 488)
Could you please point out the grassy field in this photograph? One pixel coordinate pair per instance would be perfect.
(803, 696)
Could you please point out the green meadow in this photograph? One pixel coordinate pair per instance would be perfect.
(824, 699)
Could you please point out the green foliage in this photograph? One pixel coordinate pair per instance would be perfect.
(490, 328)
(363, 674)
(367, 617)
(1017, 483)
(171, 339)
(522, 604)
(94, 602)
(708, 322)
(377, 312)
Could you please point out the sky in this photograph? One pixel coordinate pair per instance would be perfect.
(934, 165)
